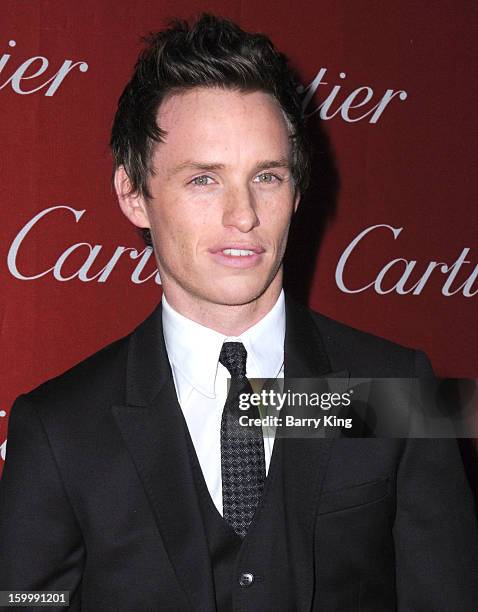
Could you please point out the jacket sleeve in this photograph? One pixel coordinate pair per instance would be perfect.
(41, 546)
(435, 531)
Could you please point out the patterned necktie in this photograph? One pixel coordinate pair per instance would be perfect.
(242, 447)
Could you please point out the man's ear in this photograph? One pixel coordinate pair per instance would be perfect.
(296, 200)
(133, 205)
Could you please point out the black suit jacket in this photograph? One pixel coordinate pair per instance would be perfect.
(96, 493)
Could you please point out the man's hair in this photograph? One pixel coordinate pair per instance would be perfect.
(212, 52)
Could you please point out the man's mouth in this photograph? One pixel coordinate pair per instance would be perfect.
(237, 257)
(238, 252)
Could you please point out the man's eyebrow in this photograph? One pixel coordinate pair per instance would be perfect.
(266, 164)
(192, 165)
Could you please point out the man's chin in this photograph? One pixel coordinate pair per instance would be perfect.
(238, 296)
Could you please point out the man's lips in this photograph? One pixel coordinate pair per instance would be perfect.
(238, 255)
(238, 246)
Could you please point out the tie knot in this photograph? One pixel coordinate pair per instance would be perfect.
(233, 357)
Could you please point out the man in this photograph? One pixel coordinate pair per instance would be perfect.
(127, 481)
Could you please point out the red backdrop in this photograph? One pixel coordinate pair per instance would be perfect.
(393, 82)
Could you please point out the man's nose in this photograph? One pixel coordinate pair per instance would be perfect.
(240, 210)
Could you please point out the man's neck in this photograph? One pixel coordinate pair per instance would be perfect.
(230, 320)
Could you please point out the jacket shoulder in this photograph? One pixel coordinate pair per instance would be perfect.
(99, 377)
(365, 354)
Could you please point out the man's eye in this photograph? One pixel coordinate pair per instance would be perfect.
(267, 177)
(202, 181)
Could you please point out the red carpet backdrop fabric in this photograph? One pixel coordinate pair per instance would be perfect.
(387, 241)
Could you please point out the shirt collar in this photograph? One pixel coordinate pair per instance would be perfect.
(194, 349)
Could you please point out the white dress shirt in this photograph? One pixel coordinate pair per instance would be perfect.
(201, 381)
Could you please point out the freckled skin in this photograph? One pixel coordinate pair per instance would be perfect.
(197, 210)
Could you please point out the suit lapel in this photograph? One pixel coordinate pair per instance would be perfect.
(304, 351)
(152, 427)
(304, 460)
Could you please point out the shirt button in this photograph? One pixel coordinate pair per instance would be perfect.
(246, 579)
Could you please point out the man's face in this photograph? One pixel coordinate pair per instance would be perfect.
(222, 197)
